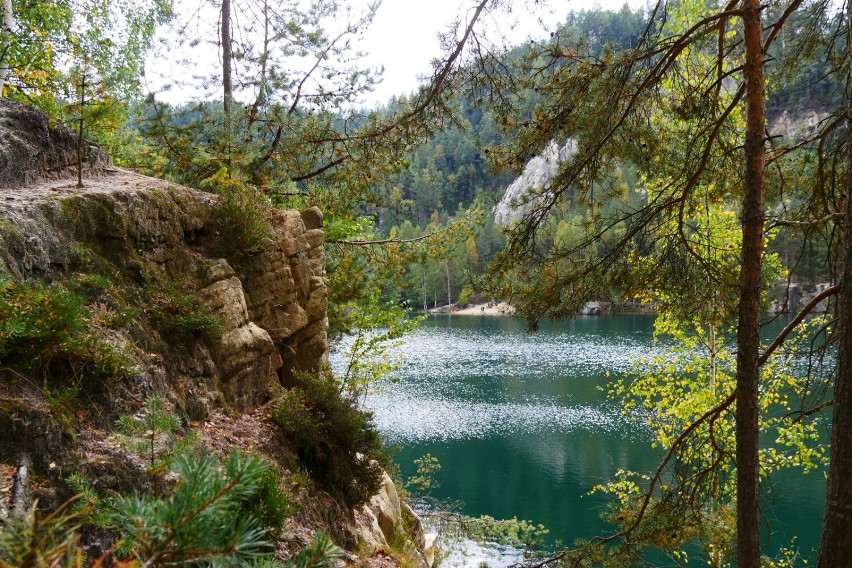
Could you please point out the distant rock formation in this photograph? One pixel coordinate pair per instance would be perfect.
(525, 192)
(791, 297)
(794, 127)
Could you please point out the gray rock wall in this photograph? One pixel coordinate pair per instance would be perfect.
(34, 148)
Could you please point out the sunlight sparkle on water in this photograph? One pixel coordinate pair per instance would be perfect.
(402, 419)
(476, 385)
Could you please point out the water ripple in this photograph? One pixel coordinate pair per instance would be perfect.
(460, 384)
(404, 419)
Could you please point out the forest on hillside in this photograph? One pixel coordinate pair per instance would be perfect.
(708, 171)
(451, 177)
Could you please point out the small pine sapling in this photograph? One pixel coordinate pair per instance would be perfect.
(154, 435)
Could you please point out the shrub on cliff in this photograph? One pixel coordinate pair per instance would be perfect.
(242, 214)
(197, 522)
(179, 316)
(335, 440)
(214, 514)
(52, 331)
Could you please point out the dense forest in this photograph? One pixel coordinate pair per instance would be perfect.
(707, 172)
(449, 173)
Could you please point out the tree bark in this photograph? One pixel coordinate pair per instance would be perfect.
(835, 548)
(8, 28)
(80, 124)
(226, 57)
(748, 331)
(227, 87)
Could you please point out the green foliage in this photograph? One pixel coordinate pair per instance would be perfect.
(674, 390)
(154, 435)
(209, 519)
(179, 316)
(50, 330)
(447, 171)
(512, 532)
(37, 539)
(377, 329)
(424, 481)
(456, 528)
(49, 46)
(63, 404)
(88, 504)
(90, 286)
(271, 504)
(197, 523)
(335, 440)
(242, 214)
(320, 553)
(297, 86)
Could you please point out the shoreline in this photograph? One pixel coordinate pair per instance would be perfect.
(499, 309)
(503, 309)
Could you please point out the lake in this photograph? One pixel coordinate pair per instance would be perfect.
(522, 429)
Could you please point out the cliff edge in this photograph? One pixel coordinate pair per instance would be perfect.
(133, 291)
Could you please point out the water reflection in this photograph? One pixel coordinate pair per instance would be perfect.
(522, 427)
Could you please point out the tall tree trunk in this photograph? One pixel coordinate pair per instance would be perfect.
(227, 87)
(423, 285)
(748, 332)
(80, 124)
(449, 297)
(835, 547)
(8, 28)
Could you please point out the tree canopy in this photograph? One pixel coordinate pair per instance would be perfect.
(693, 184)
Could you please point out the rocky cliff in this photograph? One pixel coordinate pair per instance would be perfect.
(152, 239)
(532, 185)
(130, 288)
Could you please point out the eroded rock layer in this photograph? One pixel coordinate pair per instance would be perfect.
(153, 239)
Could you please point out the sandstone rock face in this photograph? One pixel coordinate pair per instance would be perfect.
(528, 189)
(34, 149)
(151, 237)
(386, 523)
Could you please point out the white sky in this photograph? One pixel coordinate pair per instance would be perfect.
(402, 38)
(403, 34)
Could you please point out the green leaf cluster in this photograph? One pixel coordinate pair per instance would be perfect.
(37, 539)
(154, 435)
(179, 316)
(335, 440)
(198, 522)
(242, 213)
(53, 331)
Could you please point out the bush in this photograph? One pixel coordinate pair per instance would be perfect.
(335, 440)
(154, 435)
(271, 504)
(51, 330)
(243, 216)
(178, 316)
(198, 522)
(37, 538)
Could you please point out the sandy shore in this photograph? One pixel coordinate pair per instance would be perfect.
(501, 309)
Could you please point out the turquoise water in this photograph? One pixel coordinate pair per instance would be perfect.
(522, 428)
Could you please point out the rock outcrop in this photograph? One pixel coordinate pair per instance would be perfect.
(386, 523)
(528, 189)
(152, 236)
(790, 297)
(214, 330)
(33, 148)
